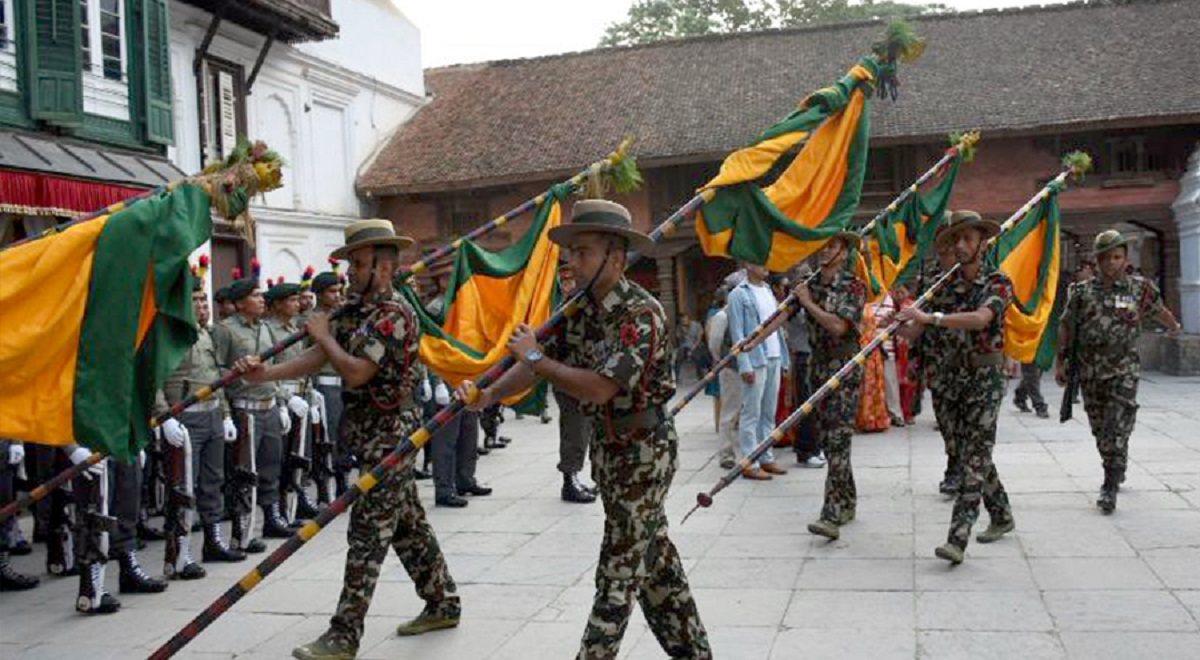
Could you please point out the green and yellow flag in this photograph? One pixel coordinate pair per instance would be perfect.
(490, 293)
(94, 318)
(817, 192)
(897, 245)
(1029, 254)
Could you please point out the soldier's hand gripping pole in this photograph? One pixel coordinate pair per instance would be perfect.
(390, 462)
(617, 164)
(790, 305)
(1073, 166)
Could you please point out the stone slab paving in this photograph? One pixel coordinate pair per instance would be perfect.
(1069, 583)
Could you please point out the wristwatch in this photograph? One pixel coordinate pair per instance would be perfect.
(532, 358)
(937, 318)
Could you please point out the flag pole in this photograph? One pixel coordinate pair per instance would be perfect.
(789, 305)
(605, 167)
(382, 471)
(1074, 164)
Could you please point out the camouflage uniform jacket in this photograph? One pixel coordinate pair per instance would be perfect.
(198, 369)
(236, 338)
(844, 297)
(278, 330)
(1109, 319)
(625, 339)
(961, 355)
(384, 330)
(940, 346)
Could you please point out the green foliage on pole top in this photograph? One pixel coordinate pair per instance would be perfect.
(618, 172)
(1079, 162)
(965, 141)
(900, 42)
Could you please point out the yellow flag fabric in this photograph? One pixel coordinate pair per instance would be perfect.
(1030, 255)
(490, 294)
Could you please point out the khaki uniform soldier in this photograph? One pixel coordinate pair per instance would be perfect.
(834, 307)
(196, 449)
(615, 356)
(329, 462)
(975, 300)
(257, 452)
(294, 395)
(1103, 320)
(374, 347)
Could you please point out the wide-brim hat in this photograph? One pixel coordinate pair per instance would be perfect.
(600, 216)
(853, 239)
(375, 231)
(1110, 240)
(960, 221)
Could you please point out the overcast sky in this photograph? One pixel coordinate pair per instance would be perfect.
(458, 31)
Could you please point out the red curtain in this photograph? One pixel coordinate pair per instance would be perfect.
(29, 193)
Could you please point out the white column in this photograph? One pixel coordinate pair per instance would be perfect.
(1187, 218)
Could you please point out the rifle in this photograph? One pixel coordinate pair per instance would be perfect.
(1072, 389)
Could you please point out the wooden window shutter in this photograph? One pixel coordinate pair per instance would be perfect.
(53, 80)
(156, 54)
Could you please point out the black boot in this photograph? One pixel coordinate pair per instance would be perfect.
(242, 539)
(1108, 492)
(133, 579)
(949, 485)
(1021, 405)
(574, 491)
(92, 597)
(306, 509)
(60, 553)
(11, 580)
(274, 525)
(17, 545)
(147, 533)
(215, 548)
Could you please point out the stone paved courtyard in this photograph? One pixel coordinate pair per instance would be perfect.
(1069, 583)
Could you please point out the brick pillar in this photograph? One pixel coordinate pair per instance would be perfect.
(666, 286)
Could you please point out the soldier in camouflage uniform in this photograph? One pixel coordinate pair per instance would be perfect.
(939, 346)
(1104, 316)
(974, 301)
(374, 346)
(834, 306)
(615, 356)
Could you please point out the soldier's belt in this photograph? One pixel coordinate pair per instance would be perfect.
(978, 360)
(254, 406)
(329, 381)
(649, 418)
(208, 405)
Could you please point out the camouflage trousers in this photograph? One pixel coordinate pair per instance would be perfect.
(1030, 387)
(970, 409)
(638, 560)
(834, 421)
(1111, 405)
(937, 395)
(390, 515)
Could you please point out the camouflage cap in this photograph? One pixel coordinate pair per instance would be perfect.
(1110, 240)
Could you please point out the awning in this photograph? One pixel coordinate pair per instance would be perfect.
(48, 177)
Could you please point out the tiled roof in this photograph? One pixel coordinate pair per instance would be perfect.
(1010, 70)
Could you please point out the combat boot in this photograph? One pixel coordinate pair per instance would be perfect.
(326, 647)
(215, 548)
(994, 531)
(951, 553)
(133, 579)
(950, 485)
(305, 508)
(242, 539)
(574, 491)
(433, 617)
(1108, 492)
(92, 597)
(1021, 405)
(11, 580)
(274, 526)
(846, 518)
(826, 528)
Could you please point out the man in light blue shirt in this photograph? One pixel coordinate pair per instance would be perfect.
(760, 367)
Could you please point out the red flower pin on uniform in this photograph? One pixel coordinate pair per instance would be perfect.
(629, 334)
(386, 327)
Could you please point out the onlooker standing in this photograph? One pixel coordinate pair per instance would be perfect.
(688, 335)
(729, 402)
(1031, 389)
(884, 311)
(759, 367)
(808, 450)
